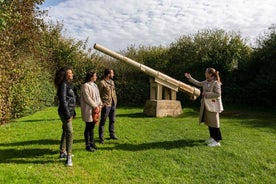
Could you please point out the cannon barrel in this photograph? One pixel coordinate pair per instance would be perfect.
(159, 76)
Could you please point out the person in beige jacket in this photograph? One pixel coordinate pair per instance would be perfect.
(90, 101)
(211, 89)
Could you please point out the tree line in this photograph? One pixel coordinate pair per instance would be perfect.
(32, 50)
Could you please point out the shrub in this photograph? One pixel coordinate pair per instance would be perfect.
(31, 90)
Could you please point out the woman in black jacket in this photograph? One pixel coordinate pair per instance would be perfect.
(66, 111)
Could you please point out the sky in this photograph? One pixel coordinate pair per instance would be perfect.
(117, 24)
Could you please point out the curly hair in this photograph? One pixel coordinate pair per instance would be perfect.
(61, 75)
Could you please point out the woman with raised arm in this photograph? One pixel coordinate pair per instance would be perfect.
(210, 109)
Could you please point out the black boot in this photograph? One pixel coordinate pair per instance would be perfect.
(92, 142)
(86, 137)
(93, 145)
(89, 148)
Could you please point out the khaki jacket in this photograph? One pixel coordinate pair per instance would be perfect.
(90, 99)
(107, 92)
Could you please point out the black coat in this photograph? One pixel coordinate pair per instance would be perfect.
(67, 100)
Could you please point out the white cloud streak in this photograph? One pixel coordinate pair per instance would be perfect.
(117, 24)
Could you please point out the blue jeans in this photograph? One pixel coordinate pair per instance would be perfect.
(110, 113)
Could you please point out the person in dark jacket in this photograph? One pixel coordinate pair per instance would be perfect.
(66, 111)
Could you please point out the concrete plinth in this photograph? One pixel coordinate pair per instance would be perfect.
(163, 108)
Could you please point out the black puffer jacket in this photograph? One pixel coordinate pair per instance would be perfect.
(67, 100)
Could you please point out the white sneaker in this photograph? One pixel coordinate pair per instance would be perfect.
(210, 140)
(69, 161)
(214, 143)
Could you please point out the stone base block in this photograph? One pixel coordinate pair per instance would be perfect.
(163, 108)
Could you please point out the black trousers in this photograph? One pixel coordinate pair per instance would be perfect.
(89, 133)
(110, 113)
(215, 133)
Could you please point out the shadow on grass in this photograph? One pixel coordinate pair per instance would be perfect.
(254, 117)
(43, 120)
(259, 123)
(34, 142)
(36, 156)
(142, 115)
(134, 115)
(38, 120)
(29, 155)
(158, 145)
(251, 119)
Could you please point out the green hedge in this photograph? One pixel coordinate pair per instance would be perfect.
(32, 90)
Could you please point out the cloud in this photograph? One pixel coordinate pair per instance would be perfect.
(120, 23)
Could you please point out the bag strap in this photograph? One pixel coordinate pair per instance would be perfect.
(212, 86)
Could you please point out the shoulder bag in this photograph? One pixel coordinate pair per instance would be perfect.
(213, 104)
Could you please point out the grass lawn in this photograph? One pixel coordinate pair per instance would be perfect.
(149, 150)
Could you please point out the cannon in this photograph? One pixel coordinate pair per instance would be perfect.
(163, 88)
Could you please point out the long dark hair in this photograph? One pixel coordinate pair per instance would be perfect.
(88, 76)
(214, 73)
(61, 75)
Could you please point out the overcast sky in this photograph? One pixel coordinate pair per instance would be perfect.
(117, 24)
